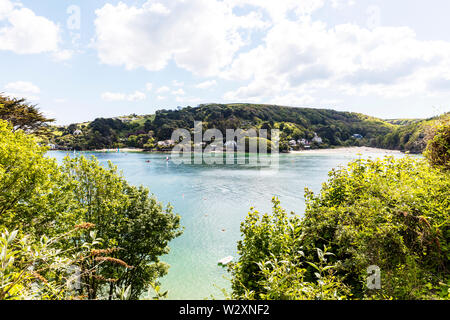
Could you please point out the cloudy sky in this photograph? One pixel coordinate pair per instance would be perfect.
(84, 59)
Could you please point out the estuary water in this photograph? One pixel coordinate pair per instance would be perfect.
(213, 200)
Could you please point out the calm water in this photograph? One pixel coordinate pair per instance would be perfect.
(212, 201)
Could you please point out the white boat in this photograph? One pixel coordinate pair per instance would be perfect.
(225, 260)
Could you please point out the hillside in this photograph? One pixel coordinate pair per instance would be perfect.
(333, 127)
(409, 135)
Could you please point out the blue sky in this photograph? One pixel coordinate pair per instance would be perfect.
(79, 60)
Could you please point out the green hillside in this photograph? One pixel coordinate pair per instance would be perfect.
(409, 135)
(333, 127)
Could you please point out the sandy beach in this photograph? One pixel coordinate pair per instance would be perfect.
(349, 150)
(120, 150)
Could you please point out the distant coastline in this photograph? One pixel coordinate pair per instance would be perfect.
(117, 149)
(349, 150)
(338, 150)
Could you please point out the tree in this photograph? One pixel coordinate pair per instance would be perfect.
(23, 116)
(438, 148)
(126, 218)
(27, 183)
(272, 264)
(389, 213)
(40, 198)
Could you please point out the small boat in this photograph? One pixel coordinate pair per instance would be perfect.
(225, 261)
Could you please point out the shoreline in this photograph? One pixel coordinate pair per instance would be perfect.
(339, 150)
(115, 150)
(347, 150)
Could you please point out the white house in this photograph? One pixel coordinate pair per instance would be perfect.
(293, 143)
(166, 143)
(317, 139)
(303, 142)
(77, 132)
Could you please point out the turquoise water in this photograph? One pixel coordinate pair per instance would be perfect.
(212, 201)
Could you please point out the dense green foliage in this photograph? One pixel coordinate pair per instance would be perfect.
(335, 128)
(438, 149)
(129, 229)
(125, 218)
(272, 262)
(394, 214)
(38, 269)
(295, 123)
(410, 135)
(389, 213)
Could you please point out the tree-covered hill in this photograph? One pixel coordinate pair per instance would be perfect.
(410, 135)
(335, 128)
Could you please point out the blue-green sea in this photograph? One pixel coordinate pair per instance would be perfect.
(213, 200)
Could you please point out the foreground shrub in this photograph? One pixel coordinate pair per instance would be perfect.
(39, 198)
(438, 149)
(393, 214)
(32, 269)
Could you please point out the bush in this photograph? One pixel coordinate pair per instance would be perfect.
(390, 213)
(438, 148)
(31, 269)
(272, 263)
(39, 198)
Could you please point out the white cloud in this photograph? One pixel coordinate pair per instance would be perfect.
(22, 89)
(118, 96)
(342, 59)
(157, 8)
(278, 10)
(137, 96)
(6, 7)
(161, 98)
(295, 61)
(22, 86)
(23, 32)
(206, 84)
(200, 36)
(149, 86)
(342, 3)
(178, 92)
(63, 55)
(163, 89)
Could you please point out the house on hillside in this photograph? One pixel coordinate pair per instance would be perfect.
(303, 142)
(126, 120)
(317, 139)
(293, 143)
(77, 132)
(166, 143)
